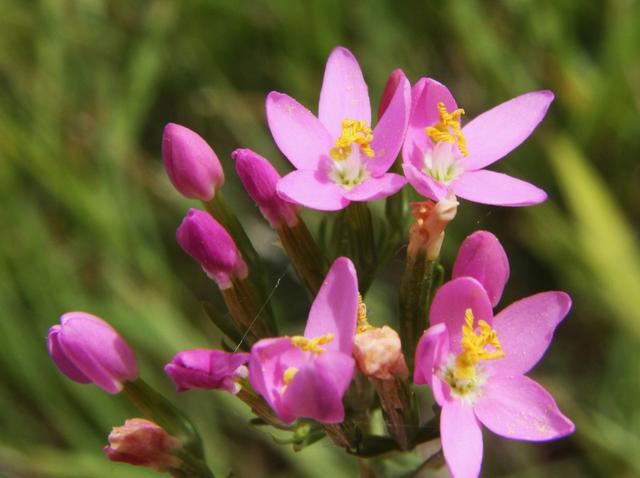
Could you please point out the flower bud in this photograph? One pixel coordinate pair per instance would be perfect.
(378, 353)
(390, 88)
(208, 242)
(482, 257)
(191, 164)
(259, 178)
(144, 443)
(87, 349)
(208, 370)
(427, 232)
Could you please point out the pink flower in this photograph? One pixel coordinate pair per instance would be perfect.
(338, 157)
(208, 370)
(307, 376)
(87, 349)
(441, 156)
(191, 164)
(475, 366)
(260, 178)
(204, 239)
(144, 443)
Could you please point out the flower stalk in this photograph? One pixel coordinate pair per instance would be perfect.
(353, 236)
(161, 411)
(305, 255)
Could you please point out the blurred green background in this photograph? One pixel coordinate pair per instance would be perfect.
(87, 216)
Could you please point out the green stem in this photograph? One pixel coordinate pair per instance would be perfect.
(161, 411)
(354, 237)
(415, 291)
(305, 255)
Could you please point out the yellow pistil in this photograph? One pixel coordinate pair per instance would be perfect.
(289, 374)
(363, 322)
(448, 128)
(353, 131)
(473, 347)
(311, 345)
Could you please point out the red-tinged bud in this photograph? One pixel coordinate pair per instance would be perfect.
(378, 353)
(191, 164)
(259, 178)
(144, 443)
(390, 88)
(204, 239)
(427, 232)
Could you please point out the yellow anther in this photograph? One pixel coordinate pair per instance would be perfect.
(363, 322)
(353, 131)
(448, 128)
(311, 345)
(289, 374)
(474, 347)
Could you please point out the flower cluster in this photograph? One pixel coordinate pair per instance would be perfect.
(322, 382)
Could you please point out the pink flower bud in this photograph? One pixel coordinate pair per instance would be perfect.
(208, 369)
(87, 349)
(378, 353)
(259, 178)
(210, 244)
(191, 164)
(144, 443)
(390, 88)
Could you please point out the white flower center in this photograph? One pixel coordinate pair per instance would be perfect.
(443, 162)
(464, 388)
(351, 171)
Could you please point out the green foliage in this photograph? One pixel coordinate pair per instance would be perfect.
(88, 217)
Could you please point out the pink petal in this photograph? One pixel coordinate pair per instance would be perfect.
(267, 364)
(311, 189)
(525, 330)
(432, 352)
(461, 440)
(344, 93)
(376, 188)
(498, 131)
(388, 135)
(489, 187)
(64, 364)
(426, 94)
(482, 257)
(297, 132)
(317, 389)
(97, 350)
(423, 183)
(452, 300)
(335, 308)
(519, 408)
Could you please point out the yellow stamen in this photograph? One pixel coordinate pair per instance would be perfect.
(363, 322)
(289, 374)
(448, 128)
(353, 131)
(311, 345)
(473, 347)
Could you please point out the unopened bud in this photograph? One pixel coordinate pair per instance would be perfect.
(192, 166)
(427, 232)
(208, 370)
(204, 239)
(259, 178)
(87, 349)
(390, 88)
(144, 443)
(378, 353)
